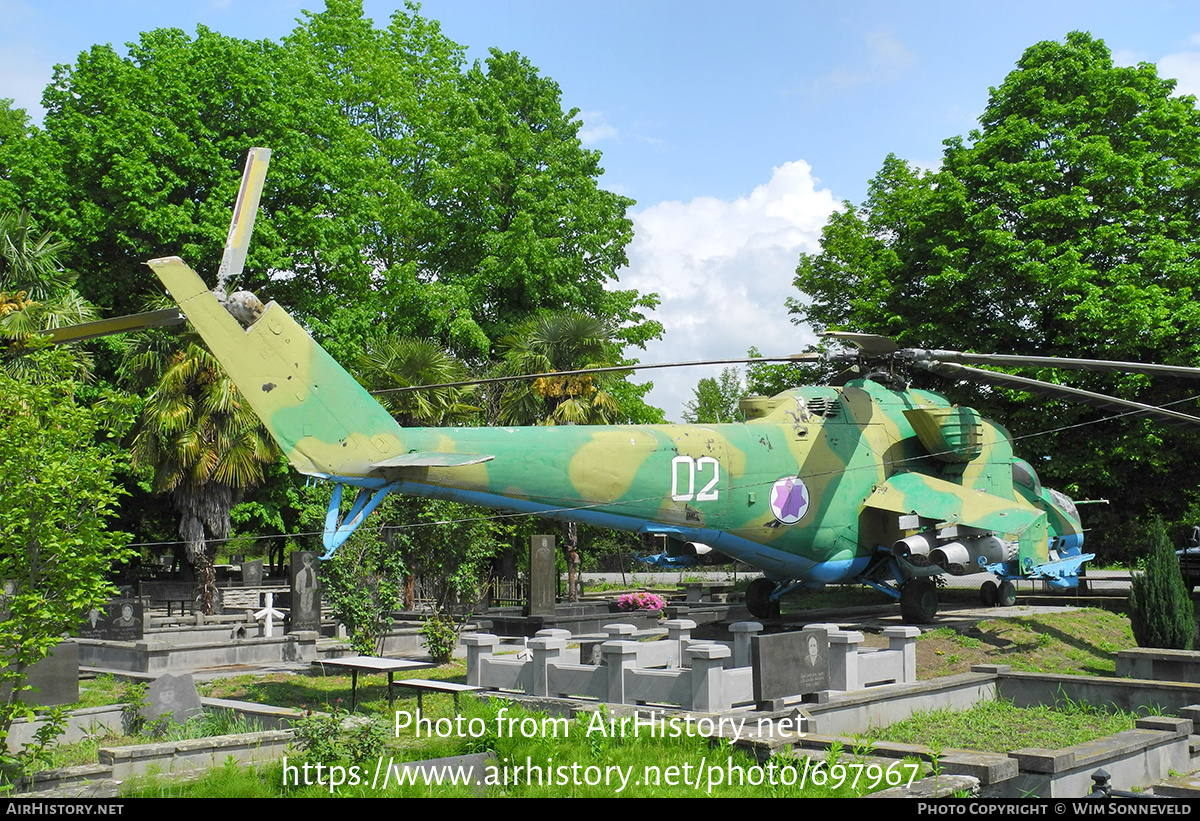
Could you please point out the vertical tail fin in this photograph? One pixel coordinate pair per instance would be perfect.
(326, 423)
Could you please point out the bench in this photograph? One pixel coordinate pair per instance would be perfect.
(423, 686)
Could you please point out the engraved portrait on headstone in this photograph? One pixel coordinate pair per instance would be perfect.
(789, 664)
(120, 620)
(306, 591)
(541, 575)
(252, 573)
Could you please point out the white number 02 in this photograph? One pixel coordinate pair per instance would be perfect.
(701, 466)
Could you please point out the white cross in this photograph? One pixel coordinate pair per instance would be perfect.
(269, 613)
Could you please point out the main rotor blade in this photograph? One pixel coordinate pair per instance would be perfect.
(799, 357)
(1016, 361)
(1095, 400)
(869, 344)
(115, 325)
(244, 212)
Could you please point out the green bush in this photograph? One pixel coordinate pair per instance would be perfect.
(1160, 608)
(441, 637)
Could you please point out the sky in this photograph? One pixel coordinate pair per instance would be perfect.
(737, 127)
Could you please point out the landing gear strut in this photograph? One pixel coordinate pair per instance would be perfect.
(758, 599)
(919, 601)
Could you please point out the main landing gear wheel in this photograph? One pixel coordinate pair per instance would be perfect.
(989, 593)
(918, 601)
(758, 599)
(1008, 594)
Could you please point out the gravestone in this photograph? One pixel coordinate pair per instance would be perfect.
(55, 678)
(306, 592)
(116, 620)
(541, 576)
(789, 664)
(589, 651)
(252, 573)
(174, 696)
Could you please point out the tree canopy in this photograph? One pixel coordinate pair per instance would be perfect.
(409, 193)
(412, 194)
(57, 491)
(1065, 225)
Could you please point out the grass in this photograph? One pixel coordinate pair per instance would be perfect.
(327, 692)
(1001, 727)
(1078, 642)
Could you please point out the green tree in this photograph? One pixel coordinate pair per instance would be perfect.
(364, 584)
(408, 194)
(388, 363)
(203, 444)
(1065, 225)
(1160, 606)
(560, 341)
(57, 491)
(715, 400)
(36, 293)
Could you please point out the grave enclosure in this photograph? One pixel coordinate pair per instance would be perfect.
(821, 676)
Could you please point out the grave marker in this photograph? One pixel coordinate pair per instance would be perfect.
(306, 592)
(174, 696)
(542, 576)
(789, 664)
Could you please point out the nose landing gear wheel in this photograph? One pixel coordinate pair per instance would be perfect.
(919, 601)
(758, 599)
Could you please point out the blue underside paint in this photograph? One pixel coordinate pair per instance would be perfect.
(783, 565)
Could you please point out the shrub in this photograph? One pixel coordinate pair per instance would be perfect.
(1160, 609)
(441, 637)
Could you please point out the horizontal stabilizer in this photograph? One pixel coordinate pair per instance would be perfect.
(433, 460)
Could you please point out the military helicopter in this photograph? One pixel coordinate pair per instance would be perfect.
(870, 481)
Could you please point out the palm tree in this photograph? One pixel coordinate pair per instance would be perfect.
(202, 441)
(389, 362)
(36, 294)
(561, 341)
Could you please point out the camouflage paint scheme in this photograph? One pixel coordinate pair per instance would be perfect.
(865, 476)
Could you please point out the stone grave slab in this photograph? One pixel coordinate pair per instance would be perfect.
(116, 620)
(306, 591)
(56, 678)
(542, 576)
(174, 696)
(252, 573)
(789, 664)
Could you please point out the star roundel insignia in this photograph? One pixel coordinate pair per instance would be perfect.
(789, 500)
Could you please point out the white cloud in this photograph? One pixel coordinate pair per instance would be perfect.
(1183, 66)
(723, 270)
(595, 128)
